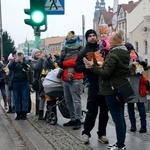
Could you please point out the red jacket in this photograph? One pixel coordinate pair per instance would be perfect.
(70, 63)
(143, 90)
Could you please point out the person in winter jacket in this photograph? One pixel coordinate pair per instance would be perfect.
(137, 82)
(20, 82)
(94, 100)
(104, 39)
(72, 90)
(41, 64)
(11, 107)
(114, 70)
(70, 50)
(2, 84)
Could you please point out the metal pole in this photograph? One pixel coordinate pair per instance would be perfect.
(83, 27)
(37, 45)
(28, 49)
(1, 31)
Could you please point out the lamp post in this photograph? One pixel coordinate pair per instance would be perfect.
(1, 31)
(28, 48)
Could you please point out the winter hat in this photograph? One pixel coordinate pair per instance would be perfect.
(20, 51)
(116, 38)
(10, 57)
(33, 52)
(90, 31)
(103, 28)
(129, 46)
(71, 37)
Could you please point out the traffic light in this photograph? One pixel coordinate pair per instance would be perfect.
(27, 21)
(36, 12)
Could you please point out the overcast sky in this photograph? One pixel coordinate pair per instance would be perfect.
(58, 25)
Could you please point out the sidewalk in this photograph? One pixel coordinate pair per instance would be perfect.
(40, 135)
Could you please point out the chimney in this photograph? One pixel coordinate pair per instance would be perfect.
(110, 9)
(130, 2)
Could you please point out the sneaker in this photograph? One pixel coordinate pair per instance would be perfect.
(115, 147)
(70, 123)
(133, 128)
(77, 125)
(103, 139)
(111, 145)
(85, 139)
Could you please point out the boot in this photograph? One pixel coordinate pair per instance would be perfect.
(143, 129)
(5, 102)
(77, 125)
(133, 128)
(24, 115)
(18, 116)
(9, 109)
(41, 112)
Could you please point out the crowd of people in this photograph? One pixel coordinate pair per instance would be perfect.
(104, 60)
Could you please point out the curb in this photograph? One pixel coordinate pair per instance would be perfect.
(33, 139)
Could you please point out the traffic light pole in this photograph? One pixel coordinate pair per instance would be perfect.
(37, 45)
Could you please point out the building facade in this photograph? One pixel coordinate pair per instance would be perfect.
(134, 19)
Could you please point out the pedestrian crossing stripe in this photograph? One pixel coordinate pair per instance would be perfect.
(54, 6)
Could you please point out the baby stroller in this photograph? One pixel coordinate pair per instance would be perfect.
(53, 88)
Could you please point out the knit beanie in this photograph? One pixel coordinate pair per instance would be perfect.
(10, 57)
(33, 52)
(20, 51)
(116, 39)
(90, 31)
(103, 28)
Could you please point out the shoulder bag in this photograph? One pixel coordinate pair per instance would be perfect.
(124, 93)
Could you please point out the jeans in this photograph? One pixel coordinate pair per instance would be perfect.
(142, 113)
(95, 102)
(72, 95)
(117, 112)
(21, 93)
(10, 96)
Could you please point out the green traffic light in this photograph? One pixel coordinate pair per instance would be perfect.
(37, 16)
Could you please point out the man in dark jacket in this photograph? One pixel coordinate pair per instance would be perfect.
(94, 99)
(114, 71)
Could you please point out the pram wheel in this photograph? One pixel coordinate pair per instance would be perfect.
(51, 118)
(83, 116)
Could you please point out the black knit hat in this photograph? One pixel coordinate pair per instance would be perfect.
(129, 46)
(90, 31)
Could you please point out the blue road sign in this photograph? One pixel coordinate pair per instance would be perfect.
(54, 7)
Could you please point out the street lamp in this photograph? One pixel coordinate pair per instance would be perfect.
(27, 45)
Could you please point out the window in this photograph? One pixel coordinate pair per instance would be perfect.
(146, 47)
(136, 46)
(121, 14)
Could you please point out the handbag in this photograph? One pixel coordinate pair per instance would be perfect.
(124, 93)
(35, 84)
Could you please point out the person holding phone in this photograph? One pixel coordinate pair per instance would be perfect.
(20, 83)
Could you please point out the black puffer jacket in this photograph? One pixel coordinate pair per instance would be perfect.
(115, 68)
(80, 66)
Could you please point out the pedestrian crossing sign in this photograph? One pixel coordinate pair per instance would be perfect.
(54, 7)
